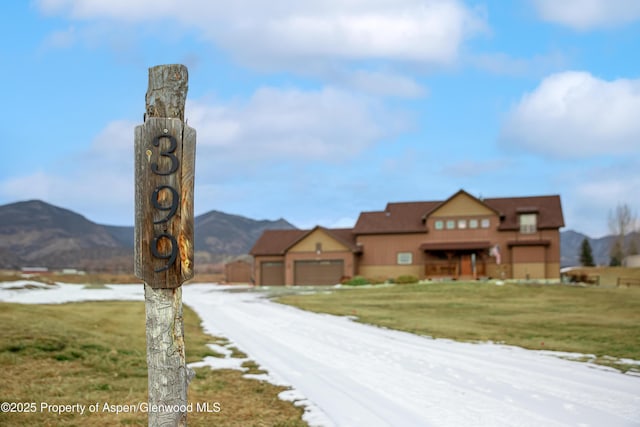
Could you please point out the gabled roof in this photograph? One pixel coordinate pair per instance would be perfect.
(277, 242)
(344, 236)
(440, 204)
(409, 217)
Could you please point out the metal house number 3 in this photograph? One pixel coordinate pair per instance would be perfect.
(170, 209)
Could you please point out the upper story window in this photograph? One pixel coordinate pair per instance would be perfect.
(461, 223)
(528, 223)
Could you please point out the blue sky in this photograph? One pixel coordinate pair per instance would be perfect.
(315, 111)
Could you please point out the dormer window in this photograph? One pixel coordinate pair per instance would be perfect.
(528, 223)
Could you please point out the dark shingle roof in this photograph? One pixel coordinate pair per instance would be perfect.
(548, 208)
(404, 217)
(408, 217)
(277, 242)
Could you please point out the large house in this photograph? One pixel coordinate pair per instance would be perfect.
(463, 237)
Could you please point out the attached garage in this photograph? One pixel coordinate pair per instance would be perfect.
(324, 272)
(272, 273)
(528, 261)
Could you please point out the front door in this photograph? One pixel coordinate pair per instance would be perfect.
(466, 268)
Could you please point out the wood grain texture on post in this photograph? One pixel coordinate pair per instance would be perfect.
(164, 181)
(164, 174)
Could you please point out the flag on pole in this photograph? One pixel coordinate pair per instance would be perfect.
(495, 252)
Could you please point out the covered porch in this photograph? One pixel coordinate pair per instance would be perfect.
(456, 260)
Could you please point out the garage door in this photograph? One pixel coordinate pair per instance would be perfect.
(272, 273)
(529, 262)
(326, 272)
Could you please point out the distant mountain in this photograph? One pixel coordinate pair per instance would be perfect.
(220, 233)
(570, 242)
(35, 233)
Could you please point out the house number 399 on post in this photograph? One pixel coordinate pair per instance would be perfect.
(165, 198)
(165, 164)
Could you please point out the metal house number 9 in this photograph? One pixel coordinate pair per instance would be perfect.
(171, 208)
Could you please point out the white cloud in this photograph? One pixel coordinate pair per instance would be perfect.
(102, 195)
(292, 125)
(597, 191)
(268, 33)
(249, 149)
(574, 114)
(98, 182)
(588, 14)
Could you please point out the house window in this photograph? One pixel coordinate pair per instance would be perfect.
(473, 223)
(462, 223)
(528, 223)
(318, 248)
(485, 223)
(405, 257)
(439, 224)
(451, 224)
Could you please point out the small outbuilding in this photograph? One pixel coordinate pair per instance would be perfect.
(238, 271)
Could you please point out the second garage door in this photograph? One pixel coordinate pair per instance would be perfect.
(325, 272)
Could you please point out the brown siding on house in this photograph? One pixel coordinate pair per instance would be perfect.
(372, 247)
(383, 249)
(526, 254)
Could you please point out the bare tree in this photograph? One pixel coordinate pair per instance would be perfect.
(622, 222)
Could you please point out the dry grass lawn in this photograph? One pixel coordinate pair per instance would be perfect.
(95, 352)
(599, 321)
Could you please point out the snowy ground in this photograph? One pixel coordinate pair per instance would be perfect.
(348, 374)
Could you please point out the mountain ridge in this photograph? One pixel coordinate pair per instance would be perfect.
(34, 232)
(571, 241)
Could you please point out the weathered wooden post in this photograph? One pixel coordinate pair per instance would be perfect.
(164, 174)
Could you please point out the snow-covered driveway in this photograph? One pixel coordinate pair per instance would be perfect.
(359, 375)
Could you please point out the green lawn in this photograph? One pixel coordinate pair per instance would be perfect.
(599, 321)
(95, 352)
